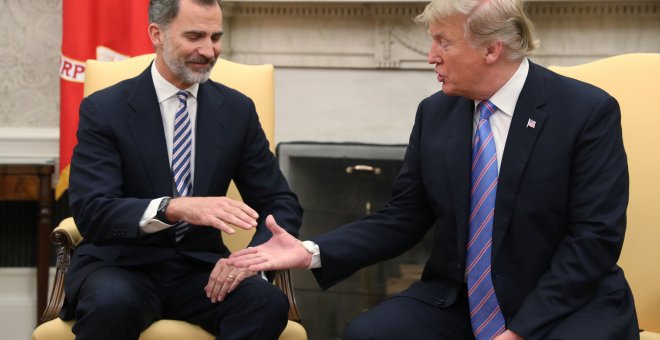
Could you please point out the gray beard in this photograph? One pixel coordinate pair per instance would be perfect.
(182, 70)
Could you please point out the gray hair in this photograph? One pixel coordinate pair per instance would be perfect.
(488, 21)
(162, 12)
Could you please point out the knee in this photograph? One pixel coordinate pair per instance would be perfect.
(118, 305)
(274, 303)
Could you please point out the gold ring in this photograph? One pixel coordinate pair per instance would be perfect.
(231, 277)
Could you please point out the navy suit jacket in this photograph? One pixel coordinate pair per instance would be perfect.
(120, 164)
(560, 212)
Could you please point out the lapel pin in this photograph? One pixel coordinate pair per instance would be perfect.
(531, 123)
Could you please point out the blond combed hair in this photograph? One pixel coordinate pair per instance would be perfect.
(488, 21)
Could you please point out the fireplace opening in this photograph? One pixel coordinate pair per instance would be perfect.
(337, 183)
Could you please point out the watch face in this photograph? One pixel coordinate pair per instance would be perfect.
(162, 207)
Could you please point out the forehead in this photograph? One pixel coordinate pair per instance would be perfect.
(449, 27)
(194, 16)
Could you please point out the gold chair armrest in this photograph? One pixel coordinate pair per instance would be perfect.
(283, 281)
(70, 231)
(65, 237)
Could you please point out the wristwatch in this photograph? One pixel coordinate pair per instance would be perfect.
(162, 208)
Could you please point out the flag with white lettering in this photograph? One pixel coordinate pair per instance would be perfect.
(102, 30)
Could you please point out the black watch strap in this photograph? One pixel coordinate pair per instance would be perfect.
(162, 208)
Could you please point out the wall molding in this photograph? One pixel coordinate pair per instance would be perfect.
(602, 9)
(382, 34)
(29, 145)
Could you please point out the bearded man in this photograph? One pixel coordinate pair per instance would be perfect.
(154, 159)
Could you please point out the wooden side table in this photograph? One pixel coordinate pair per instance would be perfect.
(32, 182)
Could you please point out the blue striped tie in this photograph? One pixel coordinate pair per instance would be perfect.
(487, 319)
(181, 154)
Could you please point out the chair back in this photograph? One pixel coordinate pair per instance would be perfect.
(633, 80)
(255, 81)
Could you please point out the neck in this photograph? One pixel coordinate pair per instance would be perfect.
(497, 76)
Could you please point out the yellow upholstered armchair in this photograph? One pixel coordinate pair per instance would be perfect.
(257, 82)
(633, 80)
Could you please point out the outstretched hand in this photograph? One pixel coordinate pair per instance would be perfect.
(282, 251)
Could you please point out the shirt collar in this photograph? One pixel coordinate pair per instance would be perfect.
(506, 97)
(165, 89)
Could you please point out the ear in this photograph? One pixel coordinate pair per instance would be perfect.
(494, 51)
(156, 34)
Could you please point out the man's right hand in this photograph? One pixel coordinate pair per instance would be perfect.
(282, 251)
(216, 212)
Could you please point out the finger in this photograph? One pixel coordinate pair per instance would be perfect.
(213, 278)
(238, 218)
(262, 267)
(272, 225)
(216, 279)
(246, 251)
(220, 225)
(245, 208)
(240, 276)
(229, 280)
(248, 260)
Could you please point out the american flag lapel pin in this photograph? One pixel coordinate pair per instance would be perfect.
(531, 123)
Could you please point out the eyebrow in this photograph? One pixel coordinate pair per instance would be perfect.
(196, 32)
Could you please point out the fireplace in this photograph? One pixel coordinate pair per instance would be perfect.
(338, 183)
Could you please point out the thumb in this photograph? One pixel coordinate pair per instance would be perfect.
(273, 226)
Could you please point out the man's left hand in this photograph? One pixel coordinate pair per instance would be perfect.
(224, 279)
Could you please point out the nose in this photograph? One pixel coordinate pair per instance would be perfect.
(209, 49)
(434, 55)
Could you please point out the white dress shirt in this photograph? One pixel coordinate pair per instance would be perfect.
(505, 100)
(169, 103)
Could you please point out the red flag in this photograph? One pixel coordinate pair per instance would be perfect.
(102, 30)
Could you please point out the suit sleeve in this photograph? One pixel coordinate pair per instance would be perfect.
(596, 217)
(96, 197)
(389, 232)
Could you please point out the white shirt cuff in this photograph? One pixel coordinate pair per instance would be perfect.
(313, 249)
(149, 223)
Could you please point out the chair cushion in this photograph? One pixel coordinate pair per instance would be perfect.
(646, 335)
(175, 329)
(160, 330)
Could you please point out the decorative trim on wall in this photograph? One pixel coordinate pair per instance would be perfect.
(343, 10)
(383, 35)
(619, 8)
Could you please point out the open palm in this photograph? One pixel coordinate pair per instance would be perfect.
(282, 251)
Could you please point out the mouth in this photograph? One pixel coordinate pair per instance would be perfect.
(200, 62)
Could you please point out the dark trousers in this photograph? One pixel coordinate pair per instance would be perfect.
(608, 317)
(119, 303)
(404, 317)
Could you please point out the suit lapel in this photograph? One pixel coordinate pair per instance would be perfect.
(526, 126)
(210, 136)
(458, 164)
(146, 125)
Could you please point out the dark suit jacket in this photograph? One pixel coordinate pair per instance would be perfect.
(560, 212)
(120, 164)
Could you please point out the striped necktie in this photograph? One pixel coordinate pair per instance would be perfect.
(485, 314)
(181, 155)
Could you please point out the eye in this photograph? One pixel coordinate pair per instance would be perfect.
(444, 43)
(216, 37)
(192, 36)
